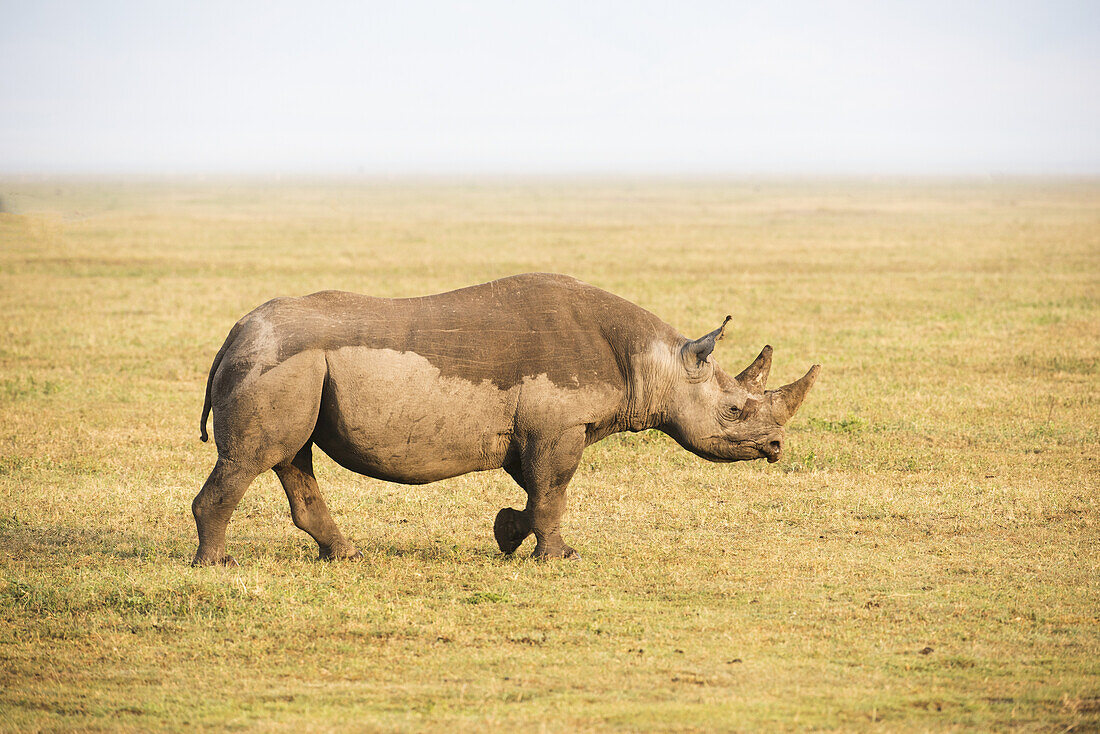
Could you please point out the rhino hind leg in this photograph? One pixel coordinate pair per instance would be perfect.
(213, 506)
(260, 421)
(547, 468)
(308, 508)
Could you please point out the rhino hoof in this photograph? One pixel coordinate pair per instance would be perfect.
(349, 554)
(565, 553)
(226, 561)
(510, 529)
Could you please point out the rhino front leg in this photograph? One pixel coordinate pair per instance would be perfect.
(547, 469)
(308, 508)
(512, 526)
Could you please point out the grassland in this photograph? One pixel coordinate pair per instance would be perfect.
(926, 555)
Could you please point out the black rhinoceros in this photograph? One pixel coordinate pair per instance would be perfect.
(521, 373)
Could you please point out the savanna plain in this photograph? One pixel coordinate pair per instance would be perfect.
(926, 555)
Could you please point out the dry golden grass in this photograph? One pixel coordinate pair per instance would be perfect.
(925, 556)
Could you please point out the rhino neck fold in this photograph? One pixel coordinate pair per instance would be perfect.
(649, 388)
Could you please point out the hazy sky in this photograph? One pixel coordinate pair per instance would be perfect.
(403, 86)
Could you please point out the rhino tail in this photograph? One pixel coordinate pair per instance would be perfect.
(203, 435)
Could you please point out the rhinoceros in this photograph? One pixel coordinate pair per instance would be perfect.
(521, 373)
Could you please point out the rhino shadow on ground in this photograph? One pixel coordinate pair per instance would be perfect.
(73, 542)
(438, 551)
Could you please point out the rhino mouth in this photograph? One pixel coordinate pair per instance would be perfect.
(768, 452)
(723, 450)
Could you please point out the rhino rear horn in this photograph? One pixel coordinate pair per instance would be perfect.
(790, 396)
(696, 352)
(754, 378)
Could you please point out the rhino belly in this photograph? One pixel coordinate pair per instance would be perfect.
(392, 415)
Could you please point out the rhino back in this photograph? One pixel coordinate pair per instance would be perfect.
(503, 331)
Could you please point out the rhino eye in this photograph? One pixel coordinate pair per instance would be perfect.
(729, 413)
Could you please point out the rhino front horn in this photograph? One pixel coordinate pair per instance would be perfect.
(792, 395)
(754, 378)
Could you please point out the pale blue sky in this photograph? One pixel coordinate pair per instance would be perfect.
(728, 88)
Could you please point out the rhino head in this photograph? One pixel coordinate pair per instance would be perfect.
(723, 418)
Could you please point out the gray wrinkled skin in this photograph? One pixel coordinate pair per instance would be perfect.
(521, 373)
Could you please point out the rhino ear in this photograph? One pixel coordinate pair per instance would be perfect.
(787, 399)
(754, 378)
(695, 353)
